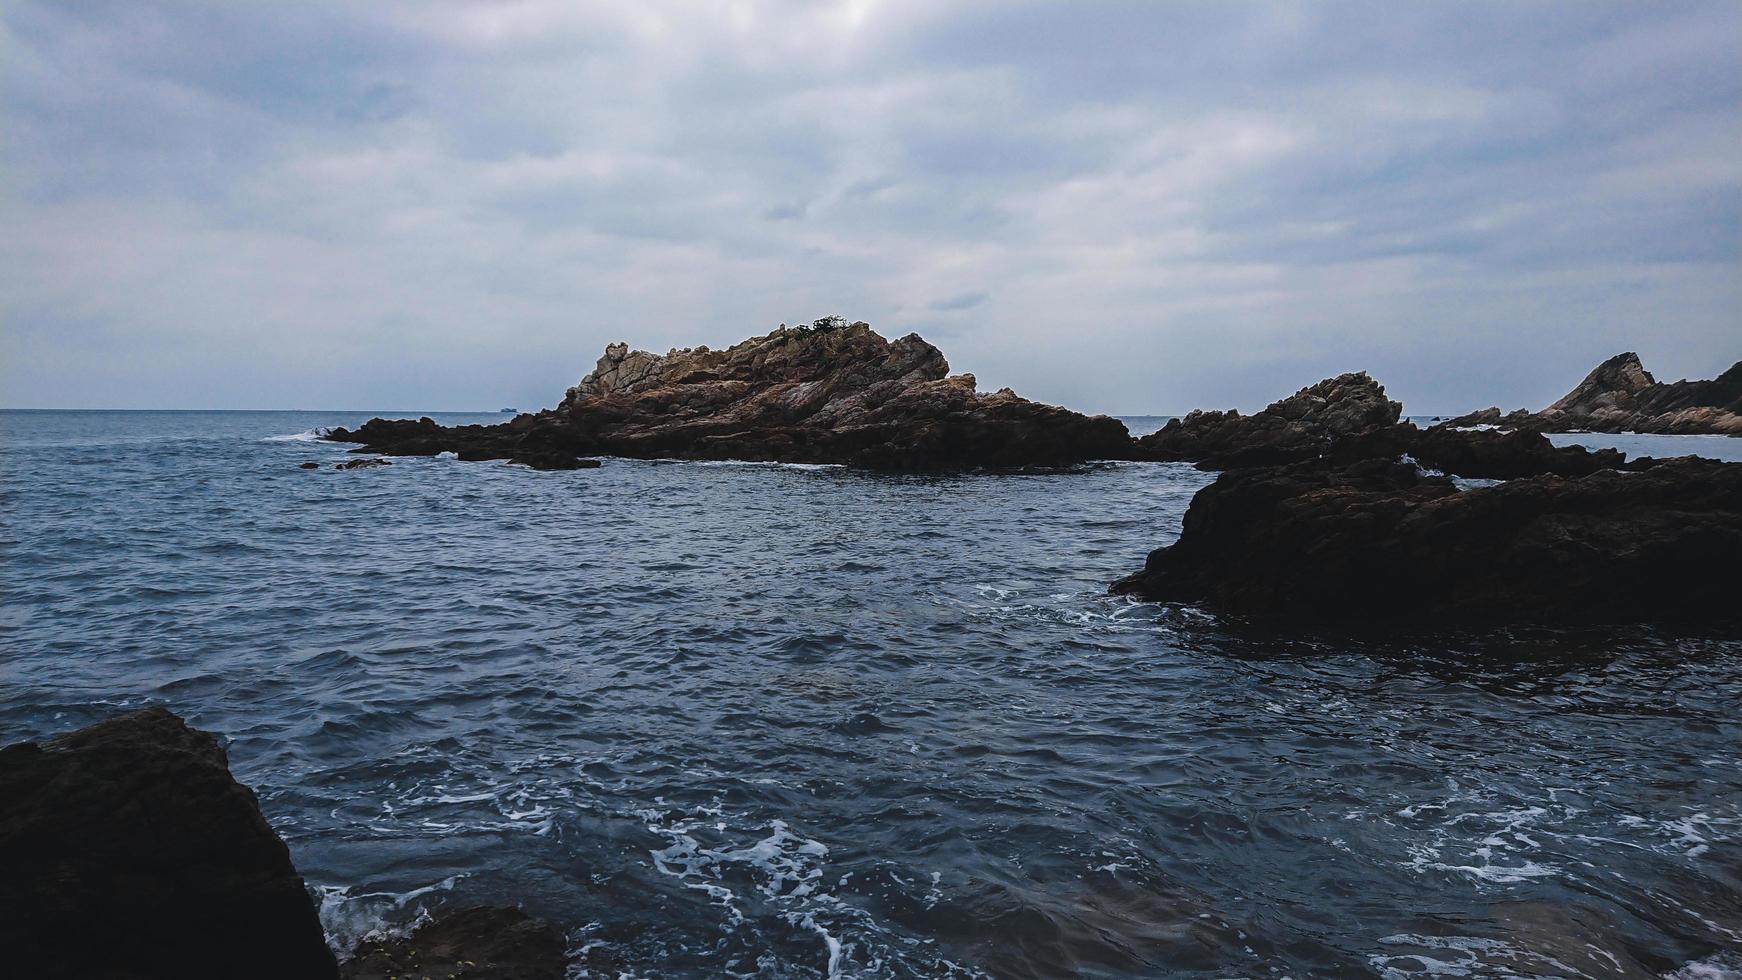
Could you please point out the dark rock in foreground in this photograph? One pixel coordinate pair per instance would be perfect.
(469, 944)
(1304, 425)
(1379, 541)
(1619, 395)
(829, 393)
(127, 850)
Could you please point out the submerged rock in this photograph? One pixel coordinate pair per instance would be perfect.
(309, 466)
(361, 464)
(829, 393)
(129, 851)
(481, 943)
(1304, 425)
(1377, 540)
(1619, 395)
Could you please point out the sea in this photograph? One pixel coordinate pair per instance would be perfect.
(756, 720)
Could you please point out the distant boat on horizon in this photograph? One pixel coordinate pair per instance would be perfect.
(510, 411)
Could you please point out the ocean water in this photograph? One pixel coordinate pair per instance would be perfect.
(781, 721)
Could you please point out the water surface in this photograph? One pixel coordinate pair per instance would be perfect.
(779, 721)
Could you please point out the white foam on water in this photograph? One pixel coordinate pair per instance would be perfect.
(317, 434)
(734, 463)
(809, 921)
(1724, 966)
(349, 918)
(782, 872)
(1462, 956)
(1498, 847)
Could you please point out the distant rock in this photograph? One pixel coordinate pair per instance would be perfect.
(831, 392)
(1619, 395)
(1305, 425)
(1380, 541)
(129, 851)
(480, 943)
(361, 464)
(1491, 418)
(309, 466)
(1348, 418)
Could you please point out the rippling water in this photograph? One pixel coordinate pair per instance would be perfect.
(777, 721)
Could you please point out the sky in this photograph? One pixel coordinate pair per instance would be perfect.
(1131, 208)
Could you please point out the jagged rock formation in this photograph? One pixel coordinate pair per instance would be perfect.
(1348, 418)
(1621, 396)
(1304, 425)
(1378, 540)
(482, 943)
(129, 851)
(829, 393)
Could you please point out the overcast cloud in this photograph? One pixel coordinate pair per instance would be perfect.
(1141, 207)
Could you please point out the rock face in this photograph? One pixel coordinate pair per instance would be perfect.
(1378, 541)
(469, 944)
(1621, 396)
(129, 851)
(1302, 426)
(829, 393)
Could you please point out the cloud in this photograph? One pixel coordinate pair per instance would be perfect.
(449, 206)
(962, 301)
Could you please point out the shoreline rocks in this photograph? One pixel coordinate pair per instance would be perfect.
(129, 850)
(1380, 541)
(831, 392)
(476, 943)
(1619, 395)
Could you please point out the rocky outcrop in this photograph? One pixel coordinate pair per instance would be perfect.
(482, 943)
(362, 464)
(1520, 419)
(1621, 396)
(1380, 541)
(1304, 425)
(832, 392)
(1485, 454)
(129, 851)
(1348, 418)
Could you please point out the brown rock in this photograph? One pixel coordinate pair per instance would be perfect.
(1302, 426)
(832, 392)
(1619, 395)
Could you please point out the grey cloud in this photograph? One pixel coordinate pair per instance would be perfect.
(1193, 204)
(963, 301)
